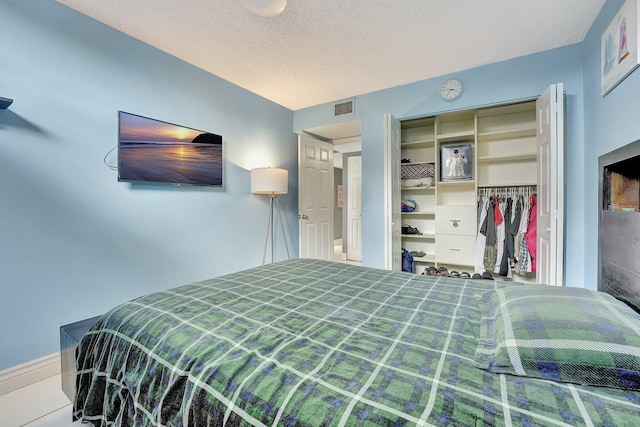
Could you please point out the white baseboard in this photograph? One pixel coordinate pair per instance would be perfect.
(28, 373)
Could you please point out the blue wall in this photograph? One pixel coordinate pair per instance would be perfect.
(610, 122)
(521, 78)
(73, 241)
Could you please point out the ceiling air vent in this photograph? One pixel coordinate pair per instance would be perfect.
(343, 108)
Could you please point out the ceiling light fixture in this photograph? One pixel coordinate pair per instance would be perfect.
(264, 7)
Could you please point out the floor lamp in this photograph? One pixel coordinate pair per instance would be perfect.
(271, 181)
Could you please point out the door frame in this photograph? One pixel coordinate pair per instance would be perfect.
(559, 191)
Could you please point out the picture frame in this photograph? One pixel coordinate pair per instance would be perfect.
(619, 47)
(152, 151)
(456, 162)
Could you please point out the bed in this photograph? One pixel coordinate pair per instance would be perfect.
(317, 343)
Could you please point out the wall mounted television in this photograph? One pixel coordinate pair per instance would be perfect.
(153, 151)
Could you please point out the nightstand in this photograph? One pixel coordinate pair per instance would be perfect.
(70, 336)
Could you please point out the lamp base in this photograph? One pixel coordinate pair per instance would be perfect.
(273, 200)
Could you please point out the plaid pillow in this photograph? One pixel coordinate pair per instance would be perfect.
(559, 333)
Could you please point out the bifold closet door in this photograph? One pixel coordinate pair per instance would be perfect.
(550, 203)
(392, 217)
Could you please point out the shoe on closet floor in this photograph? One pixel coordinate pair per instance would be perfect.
(430, 271)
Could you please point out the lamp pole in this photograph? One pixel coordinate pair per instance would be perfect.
(273, 199)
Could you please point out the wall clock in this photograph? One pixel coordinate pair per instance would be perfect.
(451, 89)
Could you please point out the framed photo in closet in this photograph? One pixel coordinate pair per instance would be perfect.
(456, 163)
(619, 47)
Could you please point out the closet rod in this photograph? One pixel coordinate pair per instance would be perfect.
(507, 186)
(507, 190)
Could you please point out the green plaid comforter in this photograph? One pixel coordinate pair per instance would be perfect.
(316, 343)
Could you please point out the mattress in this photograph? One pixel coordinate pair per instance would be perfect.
(317, 343)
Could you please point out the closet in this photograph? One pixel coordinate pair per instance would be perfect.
(450, 162)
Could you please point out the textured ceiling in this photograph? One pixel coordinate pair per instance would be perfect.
(319, 51)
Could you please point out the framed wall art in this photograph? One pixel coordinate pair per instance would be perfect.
(619, 47)
(456, 162)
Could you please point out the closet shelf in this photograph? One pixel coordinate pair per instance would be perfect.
(419, 213)
(5, 102)
(502, 184)
(422, 188)
(415, 163)
(424, 236)
(418, 144)
(458, 267)
(456, 136)
(506, 134)
(457, 183)
(508, 158)
(427, 258)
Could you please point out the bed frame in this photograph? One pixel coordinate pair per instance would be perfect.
(70, 336)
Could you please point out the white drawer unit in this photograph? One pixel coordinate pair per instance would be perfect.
(458, 220)
(453, 249)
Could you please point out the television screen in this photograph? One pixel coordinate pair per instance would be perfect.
(152, 151)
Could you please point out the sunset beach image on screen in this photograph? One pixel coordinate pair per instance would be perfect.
(153, 151)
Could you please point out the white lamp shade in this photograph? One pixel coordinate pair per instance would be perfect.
(269, 181)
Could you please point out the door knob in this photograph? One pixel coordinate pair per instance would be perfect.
(303, 217)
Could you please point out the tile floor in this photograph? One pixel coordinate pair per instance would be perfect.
(340, 256)
(42, 404)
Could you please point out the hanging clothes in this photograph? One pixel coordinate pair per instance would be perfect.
(489, 230)
(531, 235)
(515, 227)
(507, 254)
(503, 235)
(481, 239)
(524, 259)
(500, 233)
(482, 210)
(498, 214)
(515, 224)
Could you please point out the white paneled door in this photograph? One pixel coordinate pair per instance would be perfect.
(354, 208)
(550, 213)
(315, 197)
